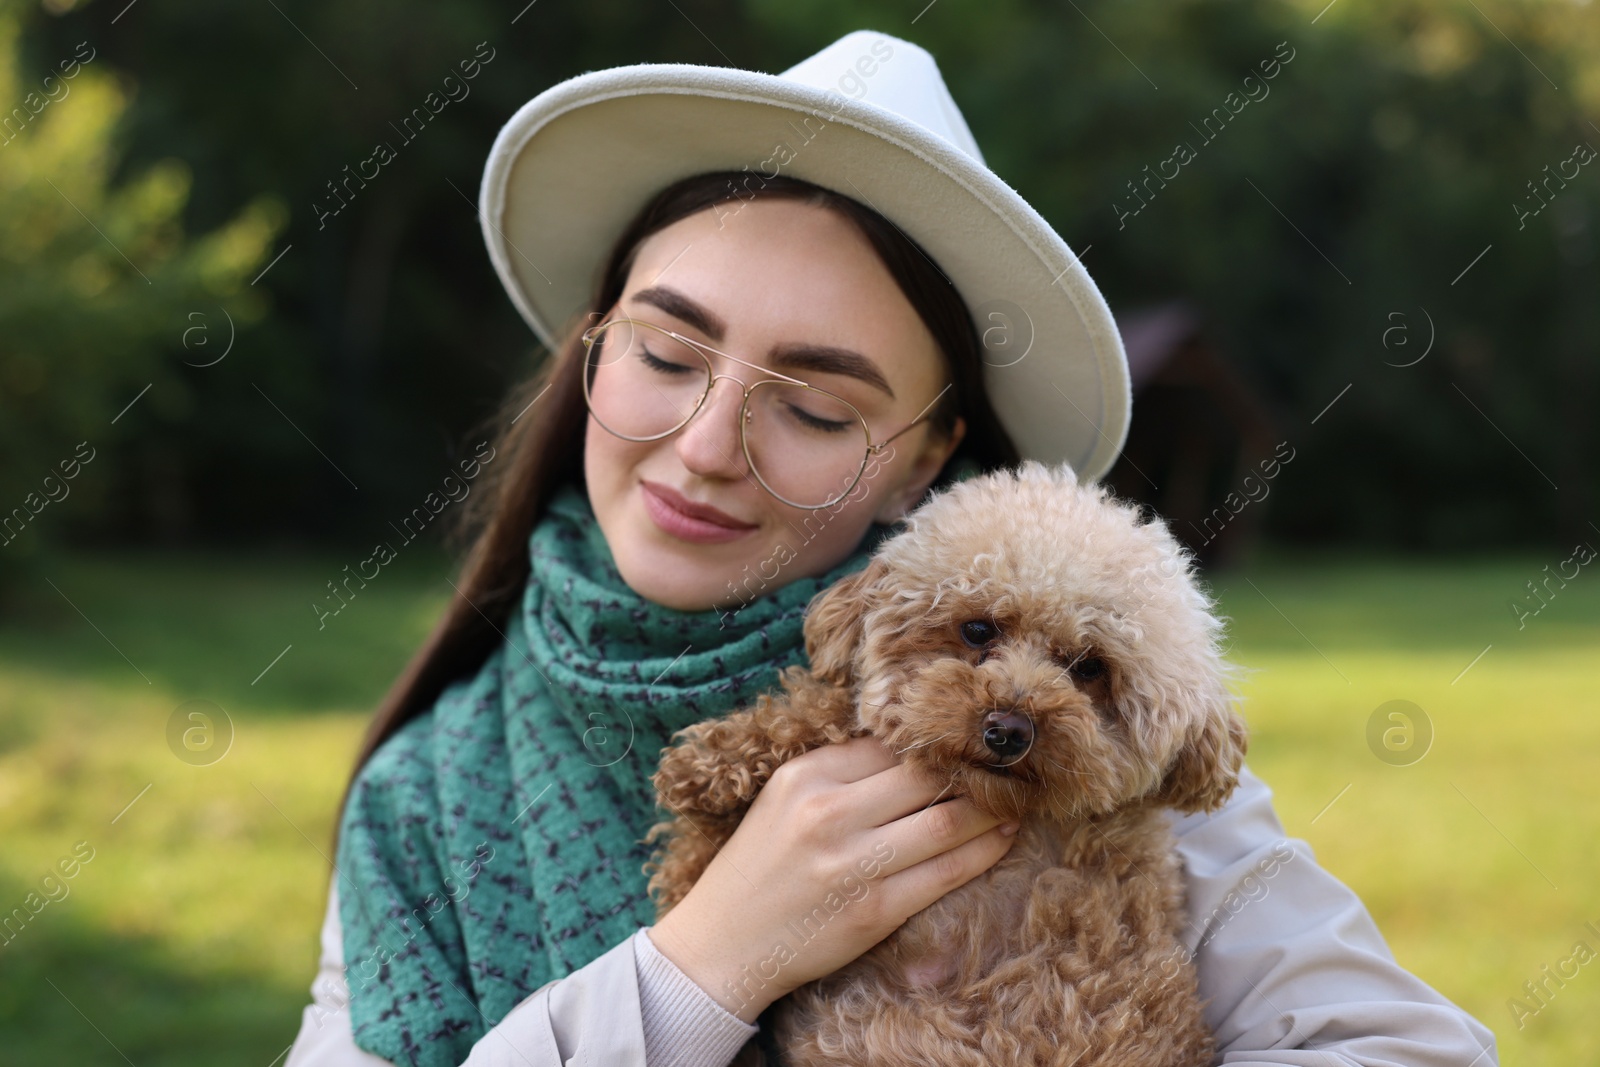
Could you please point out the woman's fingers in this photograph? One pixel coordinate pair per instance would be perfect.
(841, 823)
(872, 793)
(926, 842)
(910, 887)
(849, 761)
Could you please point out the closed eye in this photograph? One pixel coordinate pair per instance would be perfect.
(663, 366)
(814, 422)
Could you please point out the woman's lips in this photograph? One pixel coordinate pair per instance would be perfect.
(680, 524)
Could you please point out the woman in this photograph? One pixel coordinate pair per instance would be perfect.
(645, 558)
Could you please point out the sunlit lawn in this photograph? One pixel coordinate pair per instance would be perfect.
(191, 935)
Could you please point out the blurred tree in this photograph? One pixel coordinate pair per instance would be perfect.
(98, 281)
(1354, 186)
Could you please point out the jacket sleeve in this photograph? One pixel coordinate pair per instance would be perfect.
(1292, 967)
(630, 1007)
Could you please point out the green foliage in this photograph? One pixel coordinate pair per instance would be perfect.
(1348, 200)
(1343, 205)
(96, 280)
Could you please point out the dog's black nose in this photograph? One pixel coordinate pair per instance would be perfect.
(1007, 733)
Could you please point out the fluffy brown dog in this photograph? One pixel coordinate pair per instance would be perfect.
(1038, 647)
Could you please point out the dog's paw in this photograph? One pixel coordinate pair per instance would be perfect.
(695, 776)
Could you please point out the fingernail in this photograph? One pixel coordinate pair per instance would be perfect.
(1010, 828)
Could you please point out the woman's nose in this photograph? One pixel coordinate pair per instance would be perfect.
(709, 445)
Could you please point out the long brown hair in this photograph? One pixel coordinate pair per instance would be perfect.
(537, 431)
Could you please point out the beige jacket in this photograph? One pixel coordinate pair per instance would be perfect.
(1292, 966)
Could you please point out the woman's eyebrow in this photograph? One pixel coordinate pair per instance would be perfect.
(829, 359)
(682, 307)
(824, 359)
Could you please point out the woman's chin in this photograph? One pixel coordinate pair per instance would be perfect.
(660, 578)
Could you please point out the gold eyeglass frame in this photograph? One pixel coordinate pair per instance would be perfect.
(592, 333)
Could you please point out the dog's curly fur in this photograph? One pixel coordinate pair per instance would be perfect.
(1104, 652)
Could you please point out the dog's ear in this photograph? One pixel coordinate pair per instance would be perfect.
(1207, 768)
(833, 623)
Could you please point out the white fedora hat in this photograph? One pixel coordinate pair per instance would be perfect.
(869, 117)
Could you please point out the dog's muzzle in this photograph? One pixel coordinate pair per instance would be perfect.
(1007, 733)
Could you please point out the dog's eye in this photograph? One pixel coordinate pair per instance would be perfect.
(1089, 668)
(979, 632)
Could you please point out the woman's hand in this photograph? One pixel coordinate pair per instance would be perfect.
(845, 820)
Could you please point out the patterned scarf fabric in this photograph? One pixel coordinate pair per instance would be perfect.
(493, 843)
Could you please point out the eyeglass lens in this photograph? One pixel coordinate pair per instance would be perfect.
(806, 446)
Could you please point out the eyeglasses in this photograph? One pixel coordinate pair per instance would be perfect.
(805, 445)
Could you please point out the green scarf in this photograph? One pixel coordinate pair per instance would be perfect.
(493, 843)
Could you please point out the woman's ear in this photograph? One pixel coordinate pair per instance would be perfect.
(1207, 768)
(935, 452)
(833, 623)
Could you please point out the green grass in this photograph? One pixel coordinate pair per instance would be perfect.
(191, 936)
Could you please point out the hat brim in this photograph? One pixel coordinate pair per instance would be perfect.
(572, 167)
